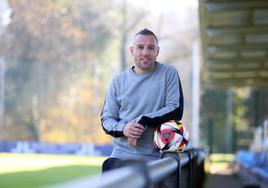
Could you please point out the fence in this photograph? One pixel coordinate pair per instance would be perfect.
(180, 170)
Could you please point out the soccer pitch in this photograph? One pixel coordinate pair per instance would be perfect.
(40, 170)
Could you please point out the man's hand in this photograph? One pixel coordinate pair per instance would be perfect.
(132, 142)
(133, 130)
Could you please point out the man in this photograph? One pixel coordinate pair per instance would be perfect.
(139, 100)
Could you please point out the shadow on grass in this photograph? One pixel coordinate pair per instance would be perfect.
(45, 177)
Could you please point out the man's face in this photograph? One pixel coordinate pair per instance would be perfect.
(145, 51)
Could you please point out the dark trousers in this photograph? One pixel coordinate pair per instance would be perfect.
(112, 163)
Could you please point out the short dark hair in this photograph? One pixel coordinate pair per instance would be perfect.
(146, 31)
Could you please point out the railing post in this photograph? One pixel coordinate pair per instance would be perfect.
(190, 168)
(172, 181)
(195, 169)
(201, 167)
(198, 168)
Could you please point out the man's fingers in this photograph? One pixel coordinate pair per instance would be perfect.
(136, 132)
(133, 130)
(135, 142)
(135, 136)
(139, 126)
(137, 129)
(132, 142)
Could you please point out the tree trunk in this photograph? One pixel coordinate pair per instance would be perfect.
(2, 94)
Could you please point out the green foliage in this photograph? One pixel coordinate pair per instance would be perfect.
(257, 102)
(213, 118)
(247, 108)
(54, 49)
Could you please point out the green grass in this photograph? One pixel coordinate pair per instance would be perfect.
(220, 163)
(33, 170)
(219, 157)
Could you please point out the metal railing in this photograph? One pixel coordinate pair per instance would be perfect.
(174, 169)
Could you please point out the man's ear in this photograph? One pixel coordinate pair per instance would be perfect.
(131, 48)
(158, 48)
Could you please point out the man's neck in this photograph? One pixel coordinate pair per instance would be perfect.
(142, 71)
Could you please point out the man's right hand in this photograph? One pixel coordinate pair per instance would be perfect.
(133, 130)
(132, 142)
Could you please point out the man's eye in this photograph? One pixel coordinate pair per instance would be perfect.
(151, 47)
(140, 47)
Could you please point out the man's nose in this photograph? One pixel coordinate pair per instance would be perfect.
(145, 51)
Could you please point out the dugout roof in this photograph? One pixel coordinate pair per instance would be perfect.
(235, 42)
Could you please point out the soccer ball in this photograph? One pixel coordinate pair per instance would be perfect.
(171, 136)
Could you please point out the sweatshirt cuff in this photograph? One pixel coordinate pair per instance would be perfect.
(144, 121)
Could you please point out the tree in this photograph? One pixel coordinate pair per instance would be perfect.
(52, 47)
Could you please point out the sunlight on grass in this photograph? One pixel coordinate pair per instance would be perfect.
(41, 170)
(216, 157)
(46, 177)
(220, 164)
(11, 162)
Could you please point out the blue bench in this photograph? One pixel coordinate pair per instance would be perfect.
(253, 168)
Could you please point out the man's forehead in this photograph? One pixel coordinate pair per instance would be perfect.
(145, 39)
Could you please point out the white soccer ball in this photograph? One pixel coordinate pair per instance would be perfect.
(171, 136)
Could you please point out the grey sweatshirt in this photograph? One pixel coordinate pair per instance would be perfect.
(150, 99)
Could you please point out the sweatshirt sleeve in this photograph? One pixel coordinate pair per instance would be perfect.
(173, 109)
(110, 120)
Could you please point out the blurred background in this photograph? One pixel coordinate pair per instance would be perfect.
(57, 59)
